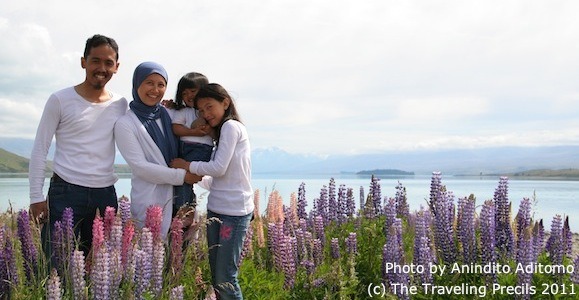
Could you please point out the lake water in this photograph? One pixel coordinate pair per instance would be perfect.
(552, 196)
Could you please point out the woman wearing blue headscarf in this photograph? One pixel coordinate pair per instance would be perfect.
(146, 141)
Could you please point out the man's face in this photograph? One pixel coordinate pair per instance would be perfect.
(100, 65)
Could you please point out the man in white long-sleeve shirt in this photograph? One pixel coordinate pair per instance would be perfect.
(82, 119)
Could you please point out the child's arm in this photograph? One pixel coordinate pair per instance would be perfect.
(181, 130)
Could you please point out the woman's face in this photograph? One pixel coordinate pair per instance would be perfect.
(189, 96)
(152, 89)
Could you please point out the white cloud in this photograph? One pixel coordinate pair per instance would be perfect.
(326, 76)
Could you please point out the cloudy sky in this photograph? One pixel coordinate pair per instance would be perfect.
(323, 77)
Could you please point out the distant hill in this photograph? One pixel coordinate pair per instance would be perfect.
(546, 173)
(12, 163)
(498, 160)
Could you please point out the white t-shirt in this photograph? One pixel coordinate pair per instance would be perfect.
(186, 116)
(230, 191)
(85, 146)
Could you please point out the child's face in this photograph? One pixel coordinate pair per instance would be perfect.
(189, 95)
(212, 110)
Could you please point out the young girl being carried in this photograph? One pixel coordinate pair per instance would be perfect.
(196, 143)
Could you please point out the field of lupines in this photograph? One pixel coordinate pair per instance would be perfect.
(449, 248)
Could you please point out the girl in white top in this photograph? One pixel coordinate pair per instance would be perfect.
(230, 192)
(146, 141)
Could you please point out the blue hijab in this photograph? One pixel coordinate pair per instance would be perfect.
(165, 139)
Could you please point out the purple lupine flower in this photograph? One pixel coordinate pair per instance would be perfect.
(146, 242)
(302, 203)
(423, 255)
(538, 237)
(68, 227)
(487, 237)
(575, 275)
(319, 228)
(350, 203)
(300, 245)
(289, 260)
(362, 199)
(567, 238)
(275, 236)
(555, 245)
(333, 208)
(310, 266)
(504, 234)
(402, 208)
(322, 205)
(125, 209)
(53, 288)
(390, 213)
(352, 243)
(29, 252)
(525, 257)
(342, 204)
(247, 245)
(392, 253)
(288, 221)
(100, 275)
(158, 262)
(57, 246)
(77, 269)
(8, 271)
(466, 229)
(335, 248)
(442, 207)
(143, 269)
(522, 221)
(376, 193)
(317, 251)
(177, 293)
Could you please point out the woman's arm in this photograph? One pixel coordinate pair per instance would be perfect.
(133, 151)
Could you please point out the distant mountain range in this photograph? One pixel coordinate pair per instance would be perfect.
(500, 160)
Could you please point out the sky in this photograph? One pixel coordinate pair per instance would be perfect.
(322, 77)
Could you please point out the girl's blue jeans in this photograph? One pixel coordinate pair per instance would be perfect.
(225, 236)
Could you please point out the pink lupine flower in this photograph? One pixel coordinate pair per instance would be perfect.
(110, 216)
(153, 220)
(98, 234)
(127, 246)
(176, 245)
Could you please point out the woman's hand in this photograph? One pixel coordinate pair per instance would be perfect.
(179, 163)
(191, 178)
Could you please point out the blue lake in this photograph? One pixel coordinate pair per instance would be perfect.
(552, 196)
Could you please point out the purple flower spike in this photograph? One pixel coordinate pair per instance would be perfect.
(29, 252)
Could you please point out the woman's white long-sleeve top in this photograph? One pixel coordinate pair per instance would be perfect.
(152, 180)
(230, 191)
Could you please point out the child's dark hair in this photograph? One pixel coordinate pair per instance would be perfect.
(217, 92)
(191, 80)
(99, 40)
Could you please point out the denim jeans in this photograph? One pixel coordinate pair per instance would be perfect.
(84, 202)
(225, 240)
(189, 152)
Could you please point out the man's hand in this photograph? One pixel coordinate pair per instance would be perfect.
(39, 212)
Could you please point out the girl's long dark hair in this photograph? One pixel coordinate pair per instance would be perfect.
(217, 92)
